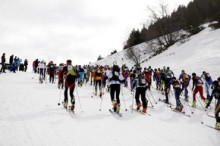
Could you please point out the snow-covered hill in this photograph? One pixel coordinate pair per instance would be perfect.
(200, 53)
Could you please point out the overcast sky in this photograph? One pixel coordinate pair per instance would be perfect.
(70, 29)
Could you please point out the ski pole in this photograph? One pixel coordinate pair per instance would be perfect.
(189, 107)
(59, 97)
(100, 105)
(201, 103)
(149, 99)
(123, 99)
(132, 105)
(153, 97)
(79, 99)
(34, 76)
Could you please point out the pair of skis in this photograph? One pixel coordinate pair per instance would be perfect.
(115, 113)
(173, 109)
(212, 127)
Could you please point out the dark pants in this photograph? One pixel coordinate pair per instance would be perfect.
(72, 87)
(52, 78)
(141, 91)
(167, 91)
(96, 84)
(177, 92)
(115, 89)
(25, 68)
(217, 110)
(3, 68)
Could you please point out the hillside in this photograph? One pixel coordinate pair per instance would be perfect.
(200, 53)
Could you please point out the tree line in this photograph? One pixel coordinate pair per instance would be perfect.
(165, 27)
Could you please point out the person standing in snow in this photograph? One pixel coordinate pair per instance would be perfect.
(177, 91)
(216, 94)
(141, 86)
(197, 87)
(25, 64)
(11, 59)
(98, 75)
(115, 79)
(208, 82)
(51, 71)
(147, 74)
(3, 63)
(70, 75)
(185, 80)
(41, 68)
(60, 76)
(167, 83)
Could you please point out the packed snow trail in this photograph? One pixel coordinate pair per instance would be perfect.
(29, 115)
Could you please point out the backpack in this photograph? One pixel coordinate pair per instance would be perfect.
(115, 75)
(142, 81)
(207, 77)
(186, 78)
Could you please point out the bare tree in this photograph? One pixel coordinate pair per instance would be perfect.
(134, 55)
(165, 26)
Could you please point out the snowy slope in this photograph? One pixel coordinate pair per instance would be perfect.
(29, 115)
(200, 53)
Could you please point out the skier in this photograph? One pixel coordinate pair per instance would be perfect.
(11, 59)
(60, 76)
(141, 86)
(197, 87)
(81, 76)
(185, 80)
(167, 83)
(156, 78)
(147, 75)
(115, 78)
(177, 91)
(208, 82)
(132, 78)
(25, 64)
(70, 76)
(41, 67)
(169, 72)
(98, 74)
(216, 94)
(51, 71)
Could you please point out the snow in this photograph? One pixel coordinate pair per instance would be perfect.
(29, 114)
(200, 53)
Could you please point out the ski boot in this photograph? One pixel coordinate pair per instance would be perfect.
(187, 98)
(118, 108)
(114, 105)
(144, 110)
(138, 106)
(65, 104)
(100, 94)
(206, 101)
(72, 107)
(95, 93)
(217, 126)
(179, 108)
(194, 104)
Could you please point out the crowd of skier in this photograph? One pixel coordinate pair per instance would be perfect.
(137, 80)
(15, 64)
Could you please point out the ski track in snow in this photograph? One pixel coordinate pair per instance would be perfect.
(29, 115)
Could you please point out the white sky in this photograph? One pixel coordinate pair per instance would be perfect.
(70, 29)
